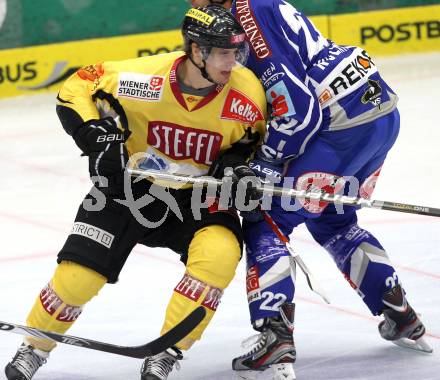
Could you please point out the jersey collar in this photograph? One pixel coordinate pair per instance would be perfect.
(178, 94)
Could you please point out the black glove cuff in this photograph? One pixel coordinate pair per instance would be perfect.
(226, 160)
(84, 135)
(243, 171)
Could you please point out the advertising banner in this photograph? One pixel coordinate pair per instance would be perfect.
(43, 68)
(35, 69)
(397, 31)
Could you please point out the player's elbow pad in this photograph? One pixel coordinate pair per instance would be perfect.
(70, 119)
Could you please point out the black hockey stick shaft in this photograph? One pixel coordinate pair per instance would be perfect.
(154, 347)
(336, 199)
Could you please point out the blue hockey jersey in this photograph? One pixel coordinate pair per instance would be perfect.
(311, 83)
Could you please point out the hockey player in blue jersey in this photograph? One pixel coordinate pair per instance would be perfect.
(333, 121)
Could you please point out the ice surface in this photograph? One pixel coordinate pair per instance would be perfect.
(43, 180)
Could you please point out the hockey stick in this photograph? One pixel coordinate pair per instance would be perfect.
(336, 199)
(154, 347)
(311, 280)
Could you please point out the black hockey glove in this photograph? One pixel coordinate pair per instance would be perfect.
(103, 142)
(246, 188)
(250, 182)
(236, 155)
(231, 164)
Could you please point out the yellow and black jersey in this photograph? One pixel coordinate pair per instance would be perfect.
(182, 133)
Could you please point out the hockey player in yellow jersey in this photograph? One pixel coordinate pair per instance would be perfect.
(194, 112)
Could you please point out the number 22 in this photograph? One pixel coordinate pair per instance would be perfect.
(269, 297)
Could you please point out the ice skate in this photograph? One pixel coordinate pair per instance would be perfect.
(273, 352)
(401, 325)
(159, 366)
(25, 363)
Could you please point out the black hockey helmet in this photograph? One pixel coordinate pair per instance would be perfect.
(212, 26)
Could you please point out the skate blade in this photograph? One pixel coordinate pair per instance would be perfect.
(419, 345)
(282, 371)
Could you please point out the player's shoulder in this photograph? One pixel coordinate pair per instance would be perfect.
(146, 64)
(255, 5)
(244, 77)
(245, 81)
(261, 12)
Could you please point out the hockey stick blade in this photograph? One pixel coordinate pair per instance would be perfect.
(154, 347)
(419, 345)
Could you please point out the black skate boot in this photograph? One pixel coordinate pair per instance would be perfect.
(159, 366)
(401, 325)
(25, 363)
(274, 350)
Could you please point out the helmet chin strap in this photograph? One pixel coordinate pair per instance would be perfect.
(202, 69)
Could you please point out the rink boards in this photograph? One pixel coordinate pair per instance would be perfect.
(24, 71)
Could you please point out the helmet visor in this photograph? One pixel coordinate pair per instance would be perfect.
(221, 58)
